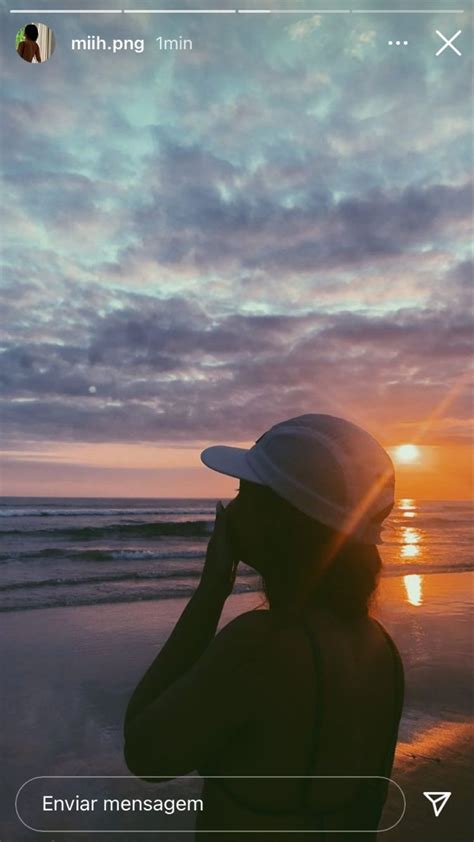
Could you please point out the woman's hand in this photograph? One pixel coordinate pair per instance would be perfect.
(220, 567)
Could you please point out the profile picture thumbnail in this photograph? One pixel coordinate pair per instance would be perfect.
(35, 42)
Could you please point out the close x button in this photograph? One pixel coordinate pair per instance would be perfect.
(448, 42)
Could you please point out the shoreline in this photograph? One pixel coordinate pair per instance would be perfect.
(130, 599)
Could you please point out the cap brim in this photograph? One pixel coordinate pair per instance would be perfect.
(229, 460)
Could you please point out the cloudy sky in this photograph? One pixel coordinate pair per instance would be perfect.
(201, 244)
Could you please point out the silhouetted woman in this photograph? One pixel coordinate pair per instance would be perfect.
(310, 687)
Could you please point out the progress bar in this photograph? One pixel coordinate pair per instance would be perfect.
(179, 11)
(351, 11)
(66, 11)
(237, 11)
(294, 11)
(407, 11)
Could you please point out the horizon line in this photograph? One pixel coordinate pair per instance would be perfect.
(192, 497)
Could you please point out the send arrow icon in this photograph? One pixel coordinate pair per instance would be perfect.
(438, 800)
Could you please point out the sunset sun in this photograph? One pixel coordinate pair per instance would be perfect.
(407, 454)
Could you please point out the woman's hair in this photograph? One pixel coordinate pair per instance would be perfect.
(31, 31)
(309, 564)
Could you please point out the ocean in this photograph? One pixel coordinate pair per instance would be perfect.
(58, 551)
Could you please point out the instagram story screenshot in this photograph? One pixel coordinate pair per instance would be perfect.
(236, 567)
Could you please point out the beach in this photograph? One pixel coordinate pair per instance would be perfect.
(69, 672)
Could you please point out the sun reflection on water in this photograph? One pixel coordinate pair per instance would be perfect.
(411, 547)
(414, 588)
(410, 551)
(411, 535)
(407, 506)
(411, 540)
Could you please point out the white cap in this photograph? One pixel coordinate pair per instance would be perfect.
(326, 467)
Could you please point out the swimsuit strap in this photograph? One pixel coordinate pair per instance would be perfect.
(318, 717)
(387, 759)
(399, 697)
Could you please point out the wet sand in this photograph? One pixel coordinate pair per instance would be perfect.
(68, 673)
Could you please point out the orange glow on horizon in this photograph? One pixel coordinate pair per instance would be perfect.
(80, 469)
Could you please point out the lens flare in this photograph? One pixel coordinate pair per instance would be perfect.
(407, 454)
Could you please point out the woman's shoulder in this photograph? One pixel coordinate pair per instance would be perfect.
(259, 636)
(261, 624)
(250, 625)
(383, 635)
(252, 635)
